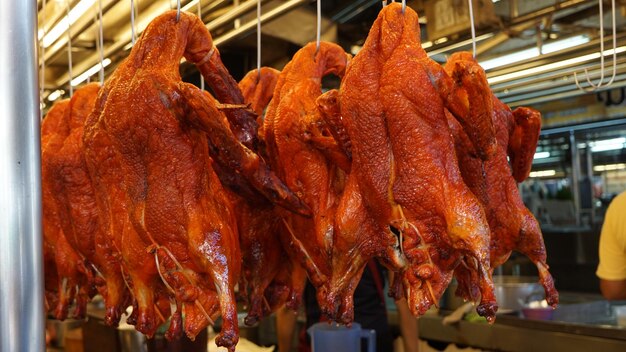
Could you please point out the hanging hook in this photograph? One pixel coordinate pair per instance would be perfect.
(200, 17)
(403, 6)
(178, 10)
(472, 27)
(69, 47)
(101, 43)
(601, 83)
(319, 26)
(258, 40)
(133, 35)
(43, 61)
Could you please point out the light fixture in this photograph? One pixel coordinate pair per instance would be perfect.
(426, 45)
(543, 173)
(440, 40)
(457, 45)
(541, 155)
(534, 52)
(189, 5)
(75, 13)
(608, 144)
(609, 167)
(90, 72)
(56, 94)
(552, 66)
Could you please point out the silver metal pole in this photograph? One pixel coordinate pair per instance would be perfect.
(21, 268)
(575, 186)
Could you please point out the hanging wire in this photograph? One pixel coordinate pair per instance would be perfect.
(319, 26)
(403, 6)
(258, 39)
(100, 43)
(472, 27)
(69, 47)
(133, 35)
(200, 17)
(601, 82)
(178, 10)
(43, 61)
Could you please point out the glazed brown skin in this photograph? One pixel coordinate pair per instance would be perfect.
(52, 125)
(147, 146)
(513, 227)
(258, 89)
(78, 213)
(266, 268)
(291, 119)
(404, 160)
(523, 141)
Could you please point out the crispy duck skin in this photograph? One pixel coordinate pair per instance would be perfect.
(147, 146)
(523, 141)
(292, 118)
(78, 213)
(404, 160)
(513, 227)
(266, 276)
(58, 296)
(258, 89)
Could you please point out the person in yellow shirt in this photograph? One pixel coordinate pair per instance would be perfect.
(612, 250)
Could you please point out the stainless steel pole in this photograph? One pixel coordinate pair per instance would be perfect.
(21, 268)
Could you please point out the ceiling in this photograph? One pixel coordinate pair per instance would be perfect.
(502, 28)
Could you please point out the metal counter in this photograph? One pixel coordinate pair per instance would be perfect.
(511, 333)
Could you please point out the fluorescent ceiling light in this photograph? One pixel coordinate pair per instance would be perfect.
(90, 72)
(67, 21)
(534, 52)
(552, 66)
(457, 45)
(609, 167)
(541, 155)
(544, 173)
(608, 144)
(189, 5)
(426, 45)
(56, 94)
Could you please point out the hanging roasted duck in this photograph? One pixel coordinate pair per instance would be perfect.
(393, 99)
(148, 145)
(67, 281)
(494, 182)
(292, 129)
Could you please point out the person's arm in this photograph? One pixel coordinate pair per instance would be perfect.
(612, 251)
(285, 326)
(613, 289)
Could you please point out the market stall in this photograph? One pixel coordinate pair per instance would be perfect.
(239, 173)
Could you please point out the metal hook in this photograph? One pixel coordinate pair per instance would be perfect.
(178, 10)
(43, 61)
(133, 35)
(101, 44)
(601, 83)
(473, 29)
(258, 40)
(69, 47)
(403, 6)
(319, 26)
(200, 17)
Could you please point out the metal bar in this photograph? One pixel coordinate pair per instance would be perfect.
(584, 126)
(266, 17)
(575, 186)
(21, 265)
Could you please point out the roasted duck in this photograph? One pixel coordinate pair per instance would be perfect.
(292, 125)
(513, 227)
(147, 146)
(393, 99)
